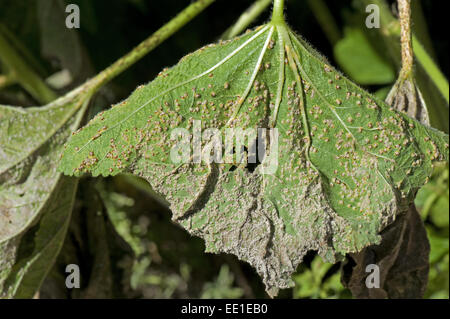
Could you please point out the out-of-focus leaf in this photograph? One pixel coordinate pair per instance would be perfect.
(347, 163)
(360, 61)
(438, 285)
(432, 199)
(156, 284)
(439, 213)
(222, 287)
(116, 205)
(382, 93)
(20, 70)
(439, 245)
(19, 16)
(138, 272)
(61, 44)
(311, 283)
(424, 200)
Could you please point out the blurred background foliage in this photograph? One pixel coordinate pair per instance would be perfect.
(121, 234)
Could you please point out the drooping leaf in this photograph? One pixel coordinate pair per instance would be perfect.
(402, 258)
(26, 259)
(35, 199)
(346, 162)
(31, 141)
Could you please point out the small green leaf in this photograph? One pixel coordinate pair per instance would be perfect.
(347, 162)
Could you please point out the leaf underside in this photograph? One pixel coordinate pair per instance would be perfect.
(35, 199)
(31, 142)
(26, 259)
(347, 163)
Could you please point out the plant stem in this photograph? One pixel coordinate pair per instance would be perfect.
(325, 19)
(148, 44)
(21, 72)
(391, 27)
(404, 7)
(278, 12)
(246, 18)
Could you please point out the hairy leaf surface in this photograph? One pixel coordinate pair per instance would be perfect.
(347, 163)
(31, 141)
(35, 200)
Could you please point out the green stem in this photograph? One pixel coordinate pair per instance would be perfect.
(326, 20)
(278, 12)
(148, 44)
(253, 12)
(21, 72)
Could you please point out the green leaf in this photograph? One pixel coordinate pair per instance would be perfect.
(116, 204)
(382, 93)
(35, 200)
(432, 200)
(313, 283)
(222, 287)
(439, 245)
(360, 60)
(19, 69)
(347, 163)
(438, 281)
(439, 213)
